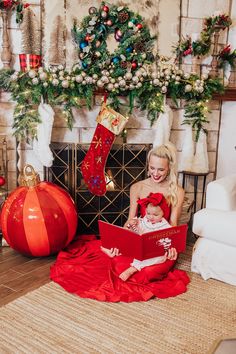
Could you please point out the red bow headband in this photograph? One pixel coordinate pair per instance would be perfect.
(156, 199)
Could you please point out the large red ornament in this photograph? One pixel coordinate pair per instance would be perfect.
(39, 218)
(2, 181)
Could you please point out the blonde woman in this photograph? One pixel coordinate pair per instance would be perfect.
(92, 272)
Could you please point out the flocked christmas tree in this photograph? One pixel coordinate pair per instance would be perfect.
(31, 35)
(56, 51)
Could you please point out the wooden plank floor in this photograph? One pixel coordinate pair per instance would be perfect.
(19, 274)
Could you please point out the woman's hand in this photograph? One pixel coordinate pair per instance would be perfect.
(111, 252)
(171, 254)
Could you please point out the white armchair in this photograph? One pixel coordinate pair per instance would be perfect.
(214, 252)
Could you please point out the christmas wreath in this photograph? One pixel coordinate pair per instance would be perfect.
(135, 46)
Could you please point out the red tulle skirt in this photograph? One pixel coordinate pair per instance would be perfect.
(83, 269)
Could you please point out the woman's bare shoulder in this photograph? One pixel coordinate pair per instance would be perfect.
(139, 185)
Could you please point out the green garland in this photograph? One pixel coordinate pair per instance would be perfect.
(202, 46)
(144, 82)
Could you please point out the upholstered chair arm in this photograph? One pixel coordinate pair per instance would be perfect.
(221, 193)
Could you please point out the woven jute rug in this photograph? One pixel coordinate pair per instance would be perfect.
(49, 320)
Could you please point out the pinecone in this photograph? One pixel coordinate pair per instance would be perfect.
(123, 16)
(123, 64)
(139, 47)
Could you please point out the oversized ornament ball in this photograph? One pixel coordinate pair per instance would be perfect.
(38, 218)
(2, 181)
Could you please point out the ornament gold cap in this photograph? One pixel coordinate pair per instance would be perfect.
(29, 177)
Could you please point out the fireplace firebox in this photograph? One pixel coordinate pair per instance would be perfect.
(125, 165)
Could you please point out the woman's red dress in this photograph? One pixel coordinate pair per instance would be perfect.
(83, 269)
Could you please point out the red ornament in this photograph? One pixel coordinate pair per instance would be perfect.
(109, 23)
(139, 26)
(2, 181)
(39, 218)
(105, 8)
(88, 37)
(134, 65)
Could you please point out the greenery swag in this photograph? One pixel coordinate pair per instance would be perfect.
(202, 46)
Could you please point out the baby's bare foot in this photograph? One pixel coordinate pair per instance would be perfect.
(127, 273)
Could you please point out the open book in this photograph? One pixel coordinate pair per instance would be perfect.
(147, 245)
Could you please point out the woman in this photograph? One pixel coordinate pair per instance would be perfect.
(85, 269)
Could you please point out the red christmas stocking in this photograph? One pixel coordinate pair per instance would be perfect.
(110, 124)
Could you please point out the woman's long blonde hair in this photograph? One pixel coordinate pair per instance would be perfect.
(168, 151)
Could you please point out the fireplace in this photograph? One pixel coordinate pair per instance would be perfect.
(125, 165)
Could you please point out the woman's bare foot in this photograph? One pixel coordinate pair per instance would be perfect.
(127, 273)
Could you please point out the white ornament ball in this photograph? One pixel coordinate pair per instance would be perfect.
(43, 76)
(156, 82)
(128, 76)
(164, 89)
(188, 88)
(35, 81)
(45, 84)
(116, 85)
(122, 83)
(100, 83)
(187, 76)
(135, 79)
(79, 78)
(65, 84)
(110, 87)
(205, 76)
(95, 76)
(32, 74)
(55, 82)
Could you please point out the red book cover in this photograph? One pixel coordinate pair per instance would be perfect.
(148, 245)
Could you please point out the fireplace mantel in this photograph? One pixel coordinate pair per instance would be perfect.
(228, 95)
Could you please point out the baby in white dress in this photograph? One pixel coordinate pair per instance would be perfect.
(152, 221)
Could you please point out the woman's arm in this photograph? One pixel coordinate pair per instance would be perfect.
(177, 209)
(134, 196)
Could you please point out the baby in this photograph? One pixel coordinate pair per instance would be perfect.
(153, 220)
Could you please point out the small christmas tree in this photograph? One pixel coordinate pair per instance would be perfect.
(56, 51)
(31, 35)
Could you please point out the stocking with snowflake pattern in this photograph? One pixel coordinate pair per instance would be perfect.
(110, 124)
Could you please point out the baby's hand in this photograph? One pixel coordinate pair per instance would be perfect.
(133, 224)
(111, 252)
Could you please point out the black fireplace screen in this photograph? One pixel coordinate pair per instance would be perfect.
(125, 165)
